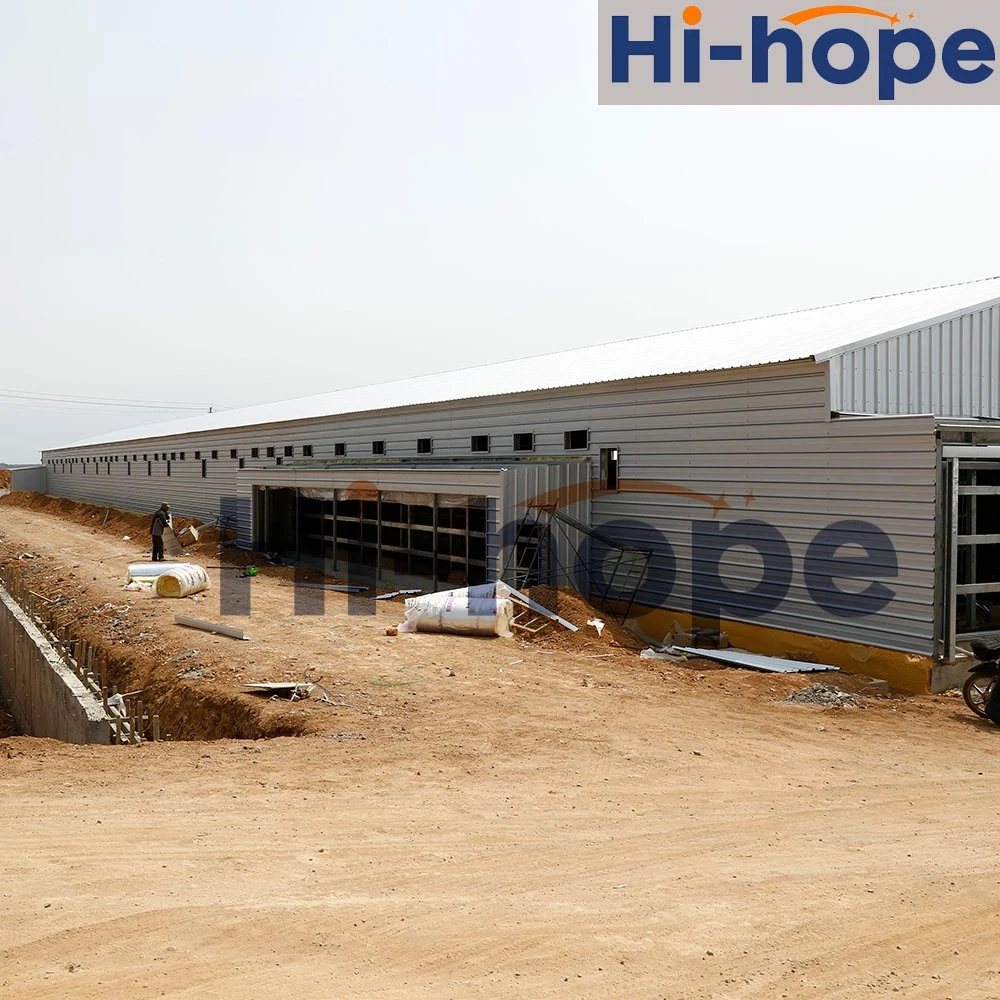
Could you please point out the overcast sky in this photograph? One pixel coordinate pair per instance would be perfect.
(231, 202)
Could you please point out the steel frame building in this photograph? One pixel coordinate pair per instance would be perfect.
(825, 482)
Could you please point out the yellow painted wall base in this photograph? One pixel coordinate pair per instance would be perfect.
(908, 672)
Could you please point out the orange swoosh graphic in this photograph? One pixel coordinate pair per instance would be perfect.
(573, 494)
(808, 15)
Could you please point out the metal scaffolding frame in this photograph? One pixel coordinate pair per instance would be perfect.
(533, 558)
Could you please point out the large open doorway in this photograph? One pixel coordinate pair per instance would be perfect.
(429, 541)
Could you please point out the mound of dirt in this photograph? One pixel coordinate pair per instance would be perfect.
(4, 479)
(108, 520)
(578, 611)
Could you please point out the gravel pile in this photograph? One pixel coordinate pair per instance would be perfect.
(823, 694)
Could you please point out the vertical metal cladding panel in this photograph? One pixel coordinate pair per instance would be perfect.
(815, 526)
(29, 479)
(143, 485)
(950, 369)
(565, 483)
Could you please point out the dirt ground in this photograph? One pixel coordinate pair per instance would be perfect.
(475, 817)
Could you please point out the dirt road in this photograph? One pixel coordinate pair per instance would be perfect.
(467, 825)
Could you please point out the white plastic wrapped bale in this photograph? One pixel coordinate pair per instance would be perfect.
(182, 580)
(483, 610)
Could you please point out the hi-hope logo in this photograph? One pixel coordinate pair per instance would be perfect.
(771, 52)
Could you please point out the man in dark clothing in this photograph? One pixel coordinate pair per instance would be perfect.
(160, 520)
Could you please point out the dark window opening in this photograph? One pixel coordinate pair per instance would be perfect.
(233, 453)
(307, 451)
(242, 462)
(289, 451)
(182, 456)
(156, 456)
(270, 452)
(278, 460)
(215, 454)
(340, 449)
(576, 440)
(255, 452)
(378, 447)
(197, 455)
(173, 456)
(524, 442)
(480, 442)
(425, 446)
(609, 468)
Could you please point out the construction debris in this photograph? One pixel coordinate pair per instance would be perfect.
(823, 694)
(397, 593)
(171, 546)
(661, 654)
(233, 633)
(292, 690)
(598, 624)
(191, 531)
(754, 661)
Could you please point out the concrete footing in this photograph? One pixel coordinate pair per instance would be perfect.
(45, 697)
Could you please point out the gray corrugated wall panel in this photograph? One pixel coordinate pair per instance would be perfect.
(951, 369)
(775, 444)
(537, 483)
(851, 487)
(456, 479)
(30, 479)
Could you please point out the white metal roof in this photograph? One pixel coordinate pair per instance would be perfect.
(818, 333)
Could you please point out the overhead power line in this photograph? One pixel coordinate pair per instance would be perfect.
(131, 404)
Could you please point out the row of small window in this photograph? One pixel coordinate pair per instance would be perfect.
(174, 456)
(578, 440)
(479, 443)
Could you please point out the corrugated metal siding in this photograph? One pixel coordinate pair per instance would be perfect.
(31, 479)
(950, 369)
(524, 484)
(798, 480)
(762, 438)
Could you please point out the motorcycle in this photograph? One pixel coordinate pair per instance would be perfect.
(983, 675)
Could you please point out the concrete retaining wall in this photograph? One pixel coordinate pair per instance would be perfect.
(45, 697)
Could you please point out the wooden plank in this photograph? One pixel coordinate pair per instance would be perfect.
(229, 630)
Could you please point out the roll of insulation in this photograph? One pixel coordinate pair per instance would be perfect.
(147, 572)
(462, 615)
(181, 580)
